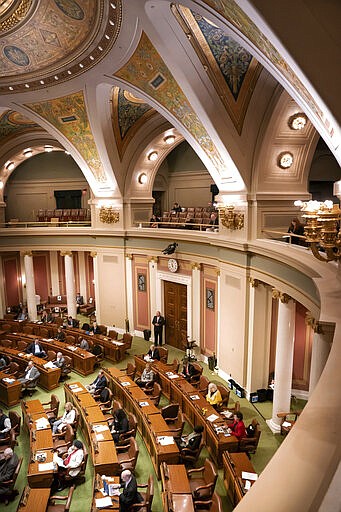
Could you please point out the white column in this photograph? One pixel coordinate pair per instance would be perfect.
(284, 358)
(2, 292)
(70, 284)
(196, 317)
(82, 276)
(322, 340)
(30, 287)
(54, 273)
(94, 257)
(130, 294)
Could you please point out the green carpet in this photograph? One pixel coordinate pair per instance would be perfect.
(82, 497)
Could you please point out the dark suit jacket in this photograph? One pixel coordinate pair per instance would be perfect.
(158, 322)
(100, 382)
(189, 372)
(30, 349)
(155, 354)
(7, 468)
(129, 496)
(72, 323)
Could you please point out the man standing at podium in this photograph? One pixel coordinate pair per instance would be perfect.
(158, 322)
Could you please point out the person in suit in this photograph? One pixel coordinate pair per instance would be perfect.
(154, 353)
(147, 377)
(192, 440)
(188, 369)
(213, 396)
(129, 496)
(31, 373)
(120, 425)
(84, 344)
(47, 317)
(71, 322)
(60, 336)
(68, 418)
(59, 361)
(94, 328)
(36, 349)
(5, 424)
(158, 322)
(98, 384)
(8, 463)
(3, 362)
(79, 301)
(22, 315)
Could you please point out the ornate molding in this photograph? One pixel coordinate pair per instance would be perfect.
(313, 323)
(254, 282)
(196, 266)
(231, 219)
(283, 297)
(129, 256)
(27, 253)
(153, 259)
(66, 253)
(93, 254)
(108, 215)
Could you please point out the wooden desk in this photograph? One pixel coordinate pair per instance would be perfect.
(34, 499)
(82, 361)
(9, 391)
(131, 396)
(98, 484)
(234, 464)
(49, 377)
(177, 495)
(103, 451)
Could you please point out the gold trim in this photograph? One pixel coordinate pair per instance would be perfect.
(196, 266)
(153, 259)
(27, 253)
(313, 323)
(129, 256)
(283, 297)
(254, 282)
(93, 254)
(231, 219)
(108, 215)
(66, 253)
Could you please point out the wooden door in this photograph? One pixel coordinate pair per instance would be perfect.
(176, 314)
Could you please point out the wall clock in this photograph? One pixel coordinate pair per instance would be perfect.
(172, 265)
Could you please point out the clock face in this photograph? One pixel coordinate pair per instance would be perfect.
(172, 265)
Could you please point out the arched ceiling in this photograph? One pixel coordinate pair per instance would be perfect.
(105, 78)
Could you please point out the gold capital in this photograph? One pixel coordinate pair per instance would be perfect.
(93, 254)
(254, 282)
(283, 297)
(196, 266)
(27, 253)
(66, 253)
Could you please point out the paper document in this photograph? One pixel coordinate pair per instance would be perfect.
(77, 390)
(42, 423)
(165, 440)
(49, 365)
(246, 475)
(227, 414)
(174, 376)
(286, 424)
(71, 347)
(247, 485)
(125, 383)
(103, 502)
(118, 343)
(195, 397)
(58, 460)
(143, 404)
(99, 437)
(46, 466)
(212, 417)
(8, 380)
(100, 428)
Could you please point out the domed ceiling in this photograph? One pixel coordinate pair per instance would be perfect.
(54, 40)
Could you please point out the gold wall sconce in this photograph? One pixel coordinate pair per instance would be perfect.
(108, 215)
(230, 218)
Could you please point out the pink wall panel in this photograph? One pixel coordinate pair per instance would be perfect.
(141, 298)
(41, 275)
(89, 272)
(209, 317)
(12, 280)
(302, 350)
(61, 274)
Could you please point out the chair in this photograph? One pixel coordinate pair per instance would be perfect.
(170, 412)
(249, 444)
(130, 370)
(154, 393)
(127, 455)
(28, 329)
(44, 332)
(10, 491)
(13, 369)
(66, 368)
(174, 366)
(80, 478)
(15, 419)
(163, 351)
(202, 481)
(89, 308)
(75, 423)
(51, 355)
(288, 421)
(235, 408)
(9, 441)
(22, 345)
(63, 440)
(195, 378)
(131, 432)
(147, 497)
(225, 395)
(112, 334)
(60, 507)
(203, 384)
(53, 409)
(127, 339)
(213, 505)
(176, 428)
(188, 456)
(97, 351)
(70, 340)
(30, 386)
(7, 343)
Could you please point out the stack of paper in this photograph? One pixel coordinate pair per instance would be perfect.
(100, 428)
(212, 417)
(165, 440)
(42, 423)
(125, 383)
(49, 365)
(246, 475)
(195, 397)
(46, 466)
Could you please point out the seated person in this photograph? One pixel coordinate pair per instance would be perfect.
(5, 424)
(8, 463)
(129, 496)
(154, 220)
(71, 464)
(86, 327)
(60, 336)
(71, 322)
(188, 369)
(3, 362)
(297, 228)
(94, 328)
(237, 428)
(176, 208)
(22, 315)
(98, 384)
(67, 419)
(84, 344)
(59, 362)
(147, 377)
(120, 425)
(214, 222)
(47, 317)
(36, 349)
(30, 374)
(213, 396)
(192, 440)
(154, 353)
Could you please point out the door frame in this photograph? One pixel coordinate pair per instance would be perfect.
(160, 294)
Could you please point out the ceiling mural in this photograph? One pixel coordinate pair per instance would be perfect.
(56, 41)
(235, 15)
(231, 68)
(69, 116)
(147, 71)
(129, 114)
(13, 123)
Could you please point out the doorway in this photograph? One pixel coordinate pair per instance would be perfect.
(175, 296)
